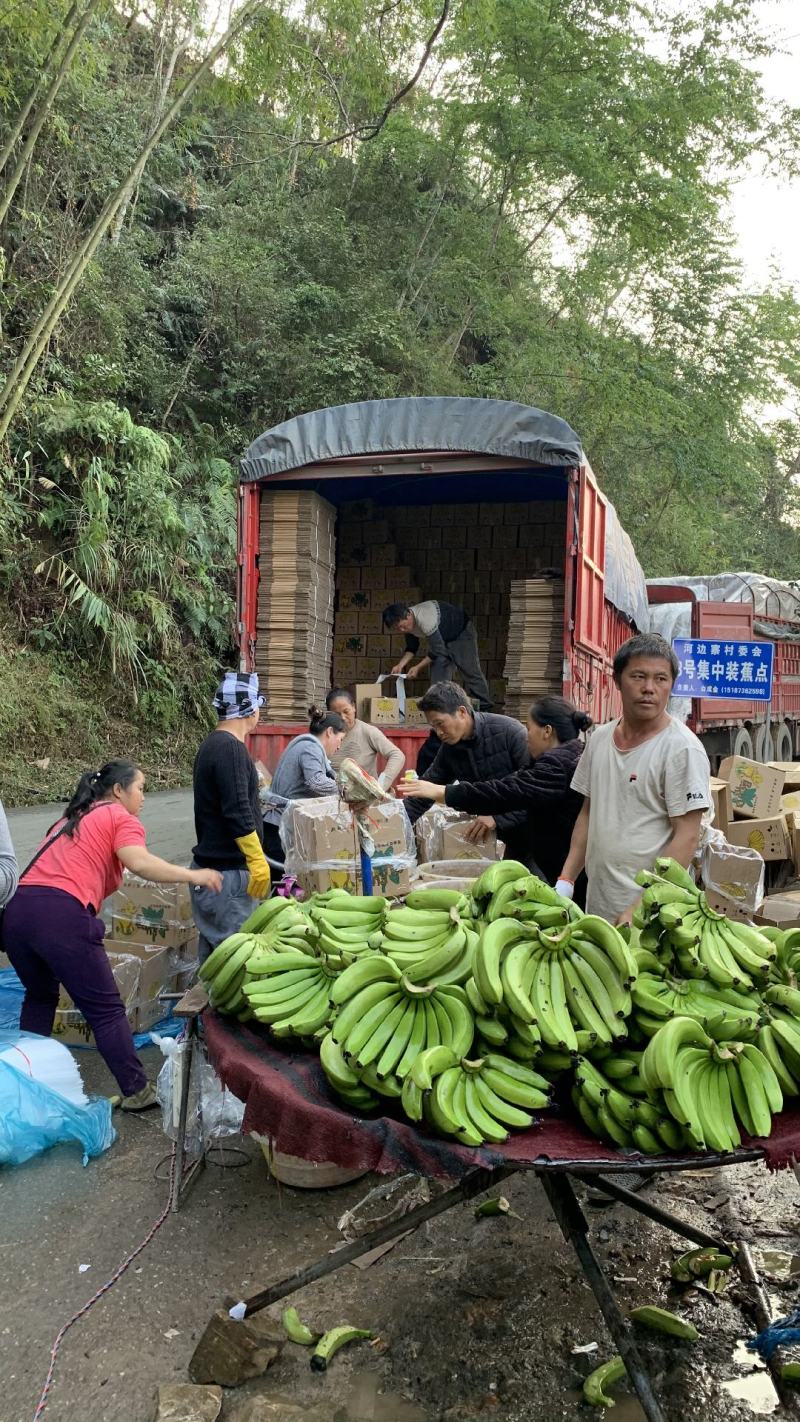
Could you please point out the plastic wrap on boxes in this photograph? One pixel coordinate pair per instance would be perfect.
(155, 903)
(323, 841)
(732, 872)
(214, 1111)
(441, 834)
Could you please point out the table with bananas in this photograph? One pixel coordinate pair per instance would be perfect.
(469, 1036)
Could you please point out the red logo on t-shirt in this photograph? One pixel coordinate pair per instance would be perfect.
(633, 777)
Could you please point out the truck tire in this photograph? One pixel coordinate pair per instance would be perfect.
(743, 743)
(784, 747)
(763, 744)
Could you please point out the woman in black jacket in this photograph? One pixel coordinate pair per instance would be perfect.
(542, 789)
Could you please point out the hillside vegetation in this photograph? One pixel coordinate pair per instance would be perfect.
(511, 198)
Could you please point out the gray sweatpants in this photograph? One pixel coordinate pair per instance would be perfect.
(216, 916)
(462, 653)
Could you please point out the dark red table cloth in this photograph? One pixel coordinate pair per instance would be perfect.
(287, 1099)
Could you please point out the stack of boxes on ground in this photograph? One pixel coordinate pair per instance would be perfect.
(468, 554)
(757, 810)
(295, 610)
(152, 947)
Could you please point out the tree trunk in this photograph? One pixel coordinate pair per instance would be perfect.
(22, 117)
(44, 109)
(20, 374)
(163, 82)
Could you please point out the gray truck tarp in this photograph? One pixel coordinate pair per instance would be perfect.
(424, 423)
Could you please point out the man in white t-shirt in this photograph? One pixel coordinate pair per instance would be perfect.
(646, 782)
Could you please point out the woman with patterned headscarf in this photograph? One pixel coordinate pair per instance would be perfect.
(227, 814)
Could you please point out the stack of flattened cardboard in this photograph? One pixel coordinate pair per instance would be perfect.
(535, 642)
(295, 606)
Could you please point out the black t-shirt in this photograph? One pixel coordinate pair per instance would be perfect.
(226, 803)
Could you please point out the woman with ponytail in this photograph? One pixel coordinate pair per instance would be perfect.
(303, 772)
(542, 788)
(52, 931)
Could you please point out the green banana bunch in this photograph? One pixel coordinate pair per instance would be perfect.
(723, 1012)
(289, 992)
(700, 941)
(476, 1101)
(385, 1020)
(629, 1119)
(431, 945)
(711, 1088)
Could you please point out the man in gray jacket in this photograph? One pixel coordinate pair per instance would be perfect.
(452, 643)
(9, 875)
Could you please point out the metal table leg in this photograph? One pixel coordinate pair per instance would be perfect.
(473, 1184)
(654, 1212)
(181, 1180)
(573, 1226)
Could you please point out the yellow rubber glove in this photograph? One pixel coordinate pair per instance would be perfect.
(259, 883)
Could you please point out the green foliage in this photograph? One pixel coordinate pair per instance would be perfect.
(541, 219)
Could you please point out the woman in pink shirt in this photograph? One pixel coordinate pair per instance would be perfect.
(52, 931)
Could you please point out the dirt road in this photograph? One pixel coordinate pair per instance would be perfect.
(167, 818)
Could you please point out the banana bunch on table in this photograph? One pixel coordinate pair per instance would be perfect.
(711, 1088)
(278, 925)
(678, 925)
(383, 1021)
(477, 1101)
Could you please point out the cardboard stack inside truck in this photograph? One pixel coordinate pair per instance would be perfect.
(467, 554)
(295, 608)
(152, 948)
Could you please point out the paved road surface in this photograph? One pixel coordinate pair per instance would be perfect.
(167, 818)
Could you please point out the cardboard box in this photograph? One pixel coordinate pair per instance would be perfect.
(770, 837)
(720, 904)
(755, 789)
(791, 772)
(790, 802)
(455, 845)
(777, 912)
(383, 711)
(414, 718)
(738, 878)
(721, 800)
(364, 692)
(349, 645)
(137, 929)
(373, 577)
(345, 670)
(158, 903)
(383, 555)
(139, 979)
(389, 880)
(347, 622)
(370, 623)
(348, 579)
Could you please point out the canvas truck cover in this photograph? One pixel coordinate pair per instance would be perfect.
(424, 423)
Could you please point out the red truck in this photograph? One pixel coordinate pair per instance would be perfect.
(739, 607)
(484, 465)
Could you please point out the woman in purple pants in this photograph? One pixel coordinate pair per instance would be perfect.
(51, 929)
